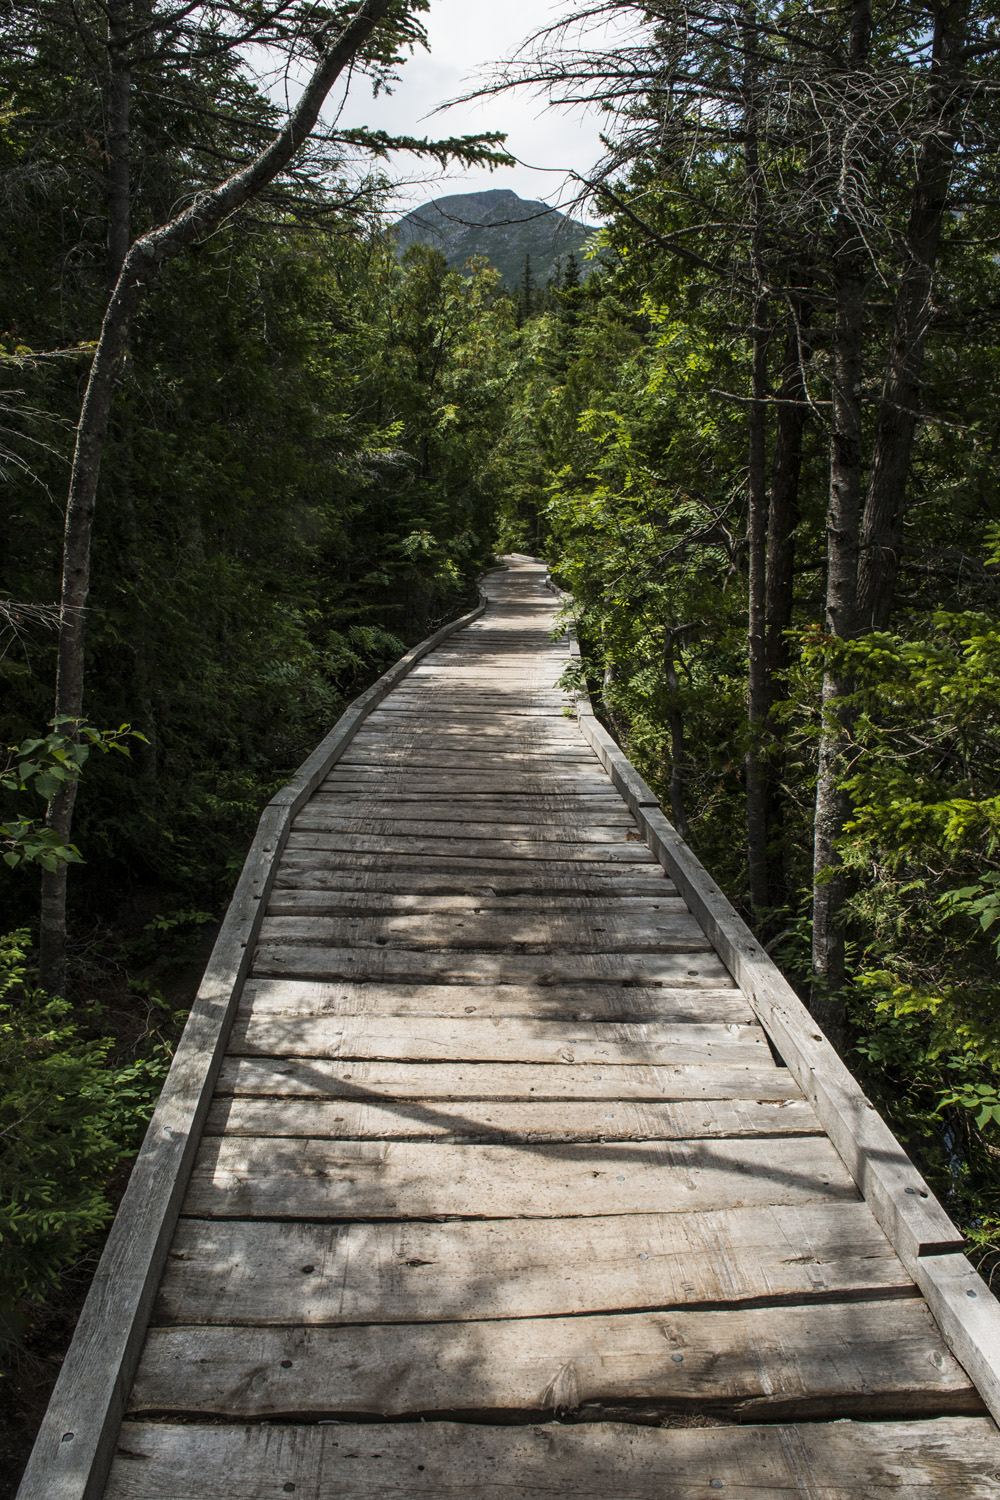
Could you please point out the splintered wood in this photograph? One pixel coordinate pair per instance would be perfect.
(498, 1145)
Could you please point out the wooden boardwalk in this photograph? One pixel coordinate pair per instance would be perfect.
(503, 1191)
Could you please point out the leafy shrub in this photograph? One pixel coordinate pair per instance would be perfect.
(68, 1117)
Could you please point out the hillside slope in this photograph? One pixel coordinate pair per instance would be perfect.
(499, 225)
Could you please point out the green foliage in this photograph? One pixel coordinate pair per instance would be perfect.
(45, 766)
(68, 1117)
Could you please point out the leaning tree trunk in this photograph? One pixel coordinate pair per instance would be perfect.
(140, 267)
(885, 503)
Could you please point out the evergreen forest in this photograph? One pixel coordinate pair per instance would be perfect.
(250, 455)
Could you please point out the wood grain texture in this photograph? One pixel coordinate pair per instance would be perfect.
(948, 1458)
(303, 961)
(488, 757)
(316, 998)
(503, 1039)
(300, 901)
(506, 932)
(541, 812)
(411, 1272)
(531, 1120)
(325, 1078)
(487, 877)
(490, 846)
(243, 1178)
(831, 1360)
(390, 824)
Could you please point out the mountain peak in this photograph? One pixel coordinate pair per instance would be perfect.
(496, 223)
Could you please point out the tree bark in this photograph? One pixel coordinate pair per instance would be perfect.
(758, 682)
(758, 692)
(118, 138)
(784, 513)
(885, 503)
(678, 812)
(140, 267)
(843, 515)
(842, 531)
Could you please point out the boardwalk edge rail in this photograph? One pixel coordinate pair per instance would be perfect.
(77, 1439)
(911, 1217)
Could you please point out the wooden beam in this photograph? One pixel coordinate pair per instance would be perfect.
(944, 1458)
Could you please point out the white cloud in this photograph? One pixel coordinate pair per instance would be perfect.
(466, 37)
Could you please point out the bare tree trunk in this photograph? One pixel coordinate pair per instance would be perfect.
(118, 138)
(139, 268)
(842, 527)
(758, 694)
(678, 812)
(885, 503)
(784, 511)
(758, 683)
(783, 519)
(843, 515)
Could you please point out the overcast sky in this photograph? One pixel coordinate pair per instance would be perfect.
(466, 36)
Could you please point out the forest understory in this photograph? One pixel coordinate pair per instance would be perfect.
(250, 456)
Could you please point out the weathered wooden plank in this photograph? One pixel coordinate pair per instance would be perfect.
(590, 812)
(553, 731)
(531, 736)
(242, 1178)
(505, 699)
(339, 871)
(944, 1458)
(969, 1317)
(496, 1039)
(469, 710)
(389, 824)
(496, 931)
(302, 902)
(490, 757)
(413, 1272)
(474, 1120)
(332, 1079)
(607, 1002)
(300, 961)
(488, 847)
(417, 782)
(758, 1364)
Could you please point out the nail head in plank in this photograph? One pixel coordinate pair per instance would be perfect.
(492, 1039)
(824, 1360)
(404, 1272)
(322, 1078)
(585, 1002)
(275, 1178)
(945, 1458)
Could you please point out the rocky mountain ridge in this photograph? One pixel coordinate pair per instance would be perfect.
(498, 224)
